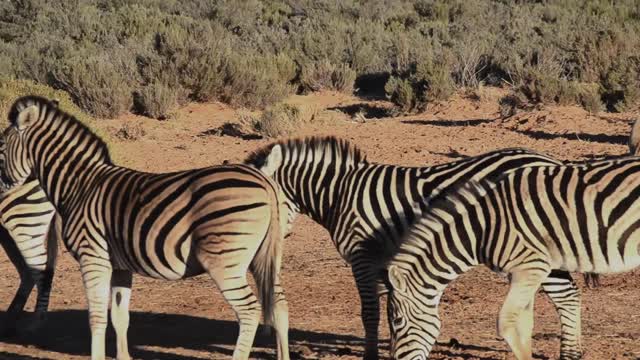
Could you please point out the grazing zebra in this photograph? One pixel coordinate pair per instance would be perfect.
(582, 218)
(26, 215)
(115, 221)
(366, 207)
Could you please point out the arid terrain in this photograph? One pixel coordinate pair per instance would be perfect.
(190, 320)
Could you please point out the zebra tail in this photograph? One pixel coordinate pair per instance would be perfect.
(266, 263)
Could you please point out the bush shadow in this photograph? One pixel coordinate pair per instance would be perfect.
(450, 123)
(599, 138)
(369, 111)
(230, 129)
(452, 154)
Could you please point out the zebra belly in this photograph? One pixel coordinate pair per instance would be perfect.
(619, 257)
(624, 257)
(176, 257)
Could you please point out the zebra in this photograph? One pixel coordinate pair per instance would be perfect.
(115, 221)
(367, 206)
(29, 239)
(634, 139)
(576, 217)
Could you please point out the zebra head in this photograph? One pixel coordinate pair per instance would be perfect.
(414, 325)
(436, 250)
(15, 163)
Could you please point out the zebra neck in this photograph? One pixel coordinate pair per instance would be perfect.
(316, 190)
(446, 244)
(66, 176)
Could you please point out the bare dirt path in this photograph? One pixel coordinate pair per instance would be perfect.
(189, 319)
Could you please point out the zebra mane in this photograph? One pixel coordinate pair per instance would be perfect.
(343, 147)
(51, 106)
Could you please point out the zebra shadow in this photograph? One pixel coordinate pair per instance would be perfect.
(160, 336)
(457, 350)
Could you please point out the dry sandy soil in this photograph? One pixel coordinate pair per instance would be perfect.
(190, 320)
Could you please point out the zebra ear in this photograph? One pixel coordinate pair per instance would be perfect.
(273, 161)
(26, 117)
(397, 280)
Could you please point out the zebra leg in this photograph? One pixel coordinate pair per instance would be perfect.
(26, 282)
(565, 295)
(525, 325)
(516, 316)
(44, 281)
(281, 322)
(367, 283)
(245, 304)
(96, 277)
(17, 304)
(44, 292)
(120, 296)
(232, 282)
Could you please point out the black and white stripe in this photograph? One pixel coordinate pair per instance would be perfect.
(223, 220)
(367, 207)
(28, 237)
(578, 217)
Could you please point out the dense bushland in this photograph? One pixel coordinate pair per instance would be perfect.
(153, 55)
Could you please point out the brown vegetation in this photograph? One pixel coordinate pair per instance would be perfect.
(254, 54)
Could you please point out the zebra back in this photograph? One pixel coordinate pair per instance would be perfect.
(366, 205)
(581, 217)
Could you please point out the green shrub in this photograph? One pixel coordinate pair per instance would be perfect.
(400, 92)
(438, 84)
(157, 100)
(590, 98)
(327, 76)
(317, 76)
(432, 10)
(254, 53)
(96, 84)
(427, 79)
(188, 55)
(131, 131)
(509, 105)
(12, 89)
(343, 78)
(278, 120)
(469, 64)
(258, 81)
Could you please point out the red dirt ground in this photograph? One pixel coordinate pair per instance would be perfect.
(190, 320)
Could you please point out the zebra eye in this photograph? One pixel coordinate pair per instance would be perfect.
(398, 322)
